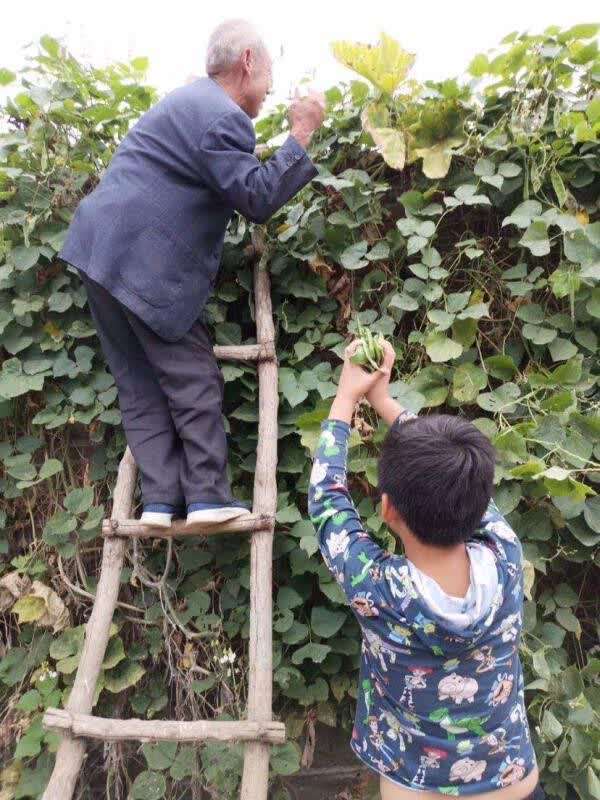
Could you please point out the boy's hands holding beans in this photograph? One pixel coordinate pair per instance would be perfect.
(355, 382)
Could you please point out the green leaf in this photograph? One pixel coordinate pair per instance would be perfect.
(524, 213)
(6, 77)
(593, 783)
(285, 758)
(501, 367)
(568, 620)
(508, 169)
(551, 727)
(288, 598)
(479, 65)
(148, 786)
(538, 334)
(29, 608)
(79, 500)
(353, 257)
(467, 382)
(313, 651)
(591, 513)
(50, 467)
(325, 622)
(125, 674)
(536, 239)
(440, 348)
(159, 756)
(501, 400)
(562, 349)
(289, 386)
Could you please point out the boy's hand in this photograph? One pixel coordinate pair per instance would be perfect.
(379, 392)
(355, 382)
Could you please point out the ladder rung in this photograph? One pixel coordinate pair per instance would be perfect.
(154, 730)
(264, 351)
(133, 527)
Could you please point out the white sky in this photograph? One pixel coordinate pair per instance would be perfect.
(173, 34)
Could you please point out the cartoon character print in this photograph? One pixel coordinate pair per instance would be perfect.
(401, 585)
(327, 443)
(318, 472)
(377, 740)
(519, 717)
(498, 743)
(399, 732)
(467, 770)
(392, 766)
(432, 758)
(454, 726)
(362, 576)
(416, 680)
(457, 688)
(425, 624)
(502, 529)
(337, 543)
(486, 659)
(512, 770)
(495, 605)
(501, 689)
(399, 634)
(379, 649)
(509, 627)
(364, 605)
(367, 688)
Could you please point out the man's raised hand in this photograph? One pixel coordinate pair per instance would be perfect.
(306, 115)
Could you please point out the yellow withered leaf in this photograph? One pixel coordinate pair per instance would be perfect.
(389, 141)
(386, 64)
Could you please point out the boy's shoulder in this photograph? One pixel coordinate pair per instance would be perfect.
(500, 536)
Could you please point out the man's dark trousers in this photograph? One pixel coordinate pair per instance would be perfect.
(171, 397)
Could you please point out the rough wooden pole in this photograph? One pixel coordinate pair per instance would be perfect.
(69, 757)
(255, 778)
(155, 730)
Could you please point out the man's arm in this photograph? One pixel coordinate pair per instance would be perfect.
(227, 163)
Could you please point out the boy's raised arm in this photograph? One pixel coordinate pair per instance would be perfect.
(349, 552)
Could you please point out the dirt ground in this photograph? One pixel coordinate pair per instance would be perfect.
(335, 774)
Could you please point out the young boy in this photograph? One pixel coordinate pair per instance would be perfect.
(441, 704)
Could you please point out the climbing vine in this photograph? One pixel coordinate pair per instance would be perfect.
(459, 219)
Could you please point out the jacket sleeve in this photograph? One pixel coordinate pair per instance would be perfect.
(227, 163)
(375, 582)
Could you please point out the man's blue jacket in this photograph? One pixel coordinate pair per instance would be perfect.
(152, 231)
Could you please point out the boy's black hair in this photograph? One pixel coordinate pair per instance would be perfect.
(438, 473)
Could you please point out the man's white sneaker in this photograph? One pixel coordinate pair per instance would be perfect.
(212, 516)
(158, 515)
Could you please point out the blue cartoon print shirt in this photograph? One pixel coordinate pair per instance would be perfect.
(438, 708)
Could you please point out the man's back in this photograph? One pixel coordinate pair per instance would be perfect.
(152, 231)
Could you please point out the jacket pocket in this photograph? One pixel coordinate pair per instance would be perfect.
(156, 265)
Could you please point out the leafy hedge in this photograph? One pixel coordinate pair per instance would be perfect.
(459, 219)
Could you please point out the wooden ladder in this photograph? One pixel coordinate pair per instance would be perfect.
(259, 731)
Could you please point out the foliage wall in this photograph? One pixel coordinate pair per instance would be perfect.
(459, 219)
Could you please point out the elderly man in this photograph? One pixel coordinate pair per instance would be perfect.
(147, 243)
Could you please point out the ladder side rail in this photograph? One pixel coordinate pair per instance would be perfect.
(260, 686)
(71, 752)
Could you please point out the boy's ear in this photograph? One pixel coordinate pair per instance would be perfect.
(388, 512)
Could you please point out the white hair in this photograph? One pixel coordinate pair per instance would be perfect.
(227, 43)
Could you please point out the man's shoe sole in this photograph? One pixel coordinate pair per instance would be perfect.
(156, 519)
(212, 516)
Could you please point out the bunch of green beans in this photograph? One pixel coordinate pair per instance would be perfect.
(370, 353)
